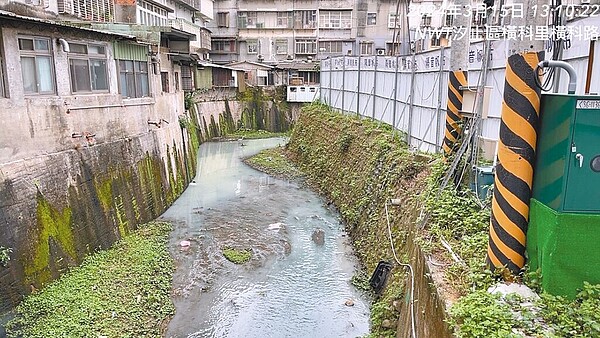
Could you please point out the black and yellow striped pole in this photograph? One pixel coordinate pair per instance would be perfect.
(453, 130)
(514, 172)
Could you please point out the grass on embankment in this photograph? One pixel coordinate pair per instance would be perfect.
(120, 292)
(249, 134)
(274, 162)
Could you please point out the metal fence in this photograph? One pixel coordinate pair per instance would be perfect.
(410, 92)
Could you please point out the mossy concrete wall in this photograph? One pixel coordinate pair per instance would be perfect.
(359, 166)
(56, 208)
(255, 109)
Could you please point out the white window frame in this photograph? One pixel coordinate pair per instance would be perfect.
(252, 46)
(331, 47)
(373, 17)
(38, 54)
(305, 19)
(151, 15)
(285, 19)
(281, 46)
(305, 46)
(335, 19)
(449, 20)
(426, 20)
(393, 19)
(366, 48)
(89, 57)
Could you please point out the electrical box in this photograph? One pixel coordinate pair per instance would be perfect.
(469, 98)
(567, 170)
(564, 211)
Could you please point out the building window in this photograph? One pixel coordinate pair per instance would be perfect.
(247, 20)
(306, 46)
(371, 19)
(394, 21)
(335, 19)
(151, 15)
(393, 48)
(285, 19)
(262, 77)
(133, 78)
(305, 19)
(223, 46)
(281, 46)
(436, 41)
(37, 67)
(176, 80)
(164, 81)
(366, 48)
(449, 21)
(223, 19)
(187, 82)
(252, 46)
(87, 68)
(426, 20)
(478, 18)
(330, 47)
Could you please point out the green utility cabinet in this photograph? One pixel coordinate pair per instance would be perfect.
(563, 238)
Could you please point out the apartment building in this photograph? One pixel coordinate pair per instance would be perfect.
(275, 32)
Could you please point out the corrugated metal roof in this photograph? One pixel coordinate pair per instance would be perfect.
(214, 65)
(61, 24)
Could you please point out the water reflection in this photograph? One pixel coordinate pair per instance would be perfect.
(292, 287)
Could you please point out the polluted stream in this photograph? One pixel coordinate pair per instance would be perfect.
(293, 286)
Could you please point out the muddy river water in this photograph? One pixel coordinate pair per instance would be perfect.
(291, 287)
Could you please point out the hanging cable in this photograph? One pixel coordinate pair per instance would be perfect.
(410, 269)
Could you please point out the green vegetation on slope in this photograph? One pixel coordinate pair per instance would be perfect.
(274, 162)
(455, 217)
(120, 292)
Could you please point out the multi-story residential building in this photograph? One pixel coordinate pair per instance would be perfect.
(277, 32)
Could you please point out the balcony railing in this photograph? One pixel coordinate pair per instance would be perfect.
(186, 26)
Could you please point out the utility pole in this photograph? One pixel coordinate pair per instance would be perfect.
(458, 76)
(528, 18)
(509, 222)
(459, 47)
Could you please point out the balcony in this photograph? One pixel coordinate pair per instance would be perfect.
(203, 7)
(185, 26)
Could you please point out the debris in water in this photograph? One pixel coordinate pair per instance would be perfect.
(349, 302)
(276, 226)
(318, 236)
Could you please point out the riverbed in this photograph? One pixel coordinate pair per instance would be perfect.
(291, 287)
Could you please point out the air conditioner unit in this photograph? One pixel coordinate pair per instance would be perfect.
(584, 2)
(381, 52)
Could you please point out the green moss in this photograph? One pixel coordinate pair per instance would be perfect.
(54, 224)
(274, 162)
(237, 256)
(121, 292)
(104, 193)
(122, 222)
